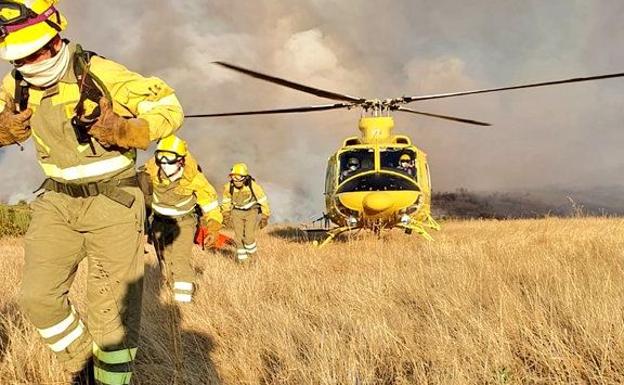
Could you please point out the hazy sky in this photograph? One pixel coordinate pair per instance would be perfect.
(563, 136)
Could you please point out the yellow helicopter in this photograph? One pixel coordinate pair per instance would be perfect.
(378, 180)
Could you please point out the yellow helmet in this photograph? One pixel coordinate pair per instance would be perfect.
(405, 157)
(239, 169)
(172, 144)
(26, 26)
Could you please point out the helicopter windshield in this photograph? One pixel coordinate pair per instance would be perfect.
(398, 159)
(356, 161)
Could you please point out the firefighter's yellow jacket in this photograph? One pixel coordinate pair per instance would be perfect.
(60, 155)
(178, 198)
(246, 198)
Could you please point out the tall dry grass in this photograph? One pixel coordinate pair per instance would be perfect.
(489, 302)
(14, 219)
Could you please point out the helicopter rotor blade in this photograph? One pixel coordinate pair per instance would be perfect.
(290, 84)
(322, 107)
(409, 99)
(455, 119)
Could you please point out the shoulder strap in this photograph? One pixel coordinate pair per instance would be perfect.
(91, 87)
(21, 92)
(253, 194)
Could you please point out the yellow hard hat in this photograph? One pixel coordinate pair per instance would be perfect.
(173, 144)
(405, 157)
(239, 169)
(26, 26)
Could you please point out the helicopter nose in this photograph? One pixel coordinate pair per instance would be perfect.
(377, 202)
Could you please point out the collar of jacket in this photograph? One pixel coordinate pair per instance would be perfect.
(69, 77)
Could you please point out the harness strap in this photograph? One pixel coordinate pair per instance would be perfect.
(91, 87)
(33, 20)
(22, 91)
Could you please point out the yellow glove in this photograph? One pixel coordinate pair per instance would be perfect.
(212, 234)
(111, 129)
(14, 127)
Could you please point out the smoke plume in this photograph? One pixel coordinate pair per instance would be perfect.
(560, 136)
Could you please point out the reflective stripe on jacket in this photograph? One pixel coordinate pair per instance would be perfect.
(180, 197)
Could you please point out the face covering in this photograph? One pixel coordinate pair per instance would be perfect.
(172, 171)
(47, 72)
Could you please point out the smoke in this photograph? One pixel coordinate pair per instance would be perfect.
(561, 136)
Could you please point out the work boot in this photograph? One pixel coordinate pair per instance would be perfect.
(85, 376)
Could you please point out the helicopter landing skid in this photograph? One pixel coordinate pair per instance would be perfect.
(432, 224)
(419, 228)
(333, 233)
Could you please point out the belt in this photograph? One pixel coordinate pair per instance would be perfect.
(255, 206)
(110, 189)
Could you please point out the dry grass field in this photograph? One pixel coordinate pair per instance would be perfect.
(489, 302)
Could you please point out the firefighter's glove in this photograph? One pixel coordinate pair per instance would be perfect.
(14, 127)
(111, 129)
(212, 232)
(264, 221)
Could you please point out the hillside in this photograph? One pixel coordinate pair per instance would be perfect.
(538, 203)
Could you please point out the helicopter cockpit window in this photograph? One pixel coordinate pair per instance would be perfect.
(356, 161)
(398, 159)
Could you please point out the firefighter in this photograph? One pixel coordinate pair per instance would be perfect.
(178, 188)
(353, 165)
(87, 116)
(246, 207)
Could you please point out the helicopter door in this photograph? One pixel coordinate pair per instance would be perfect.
(330, 176)
(390, 159)
(356, 161)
